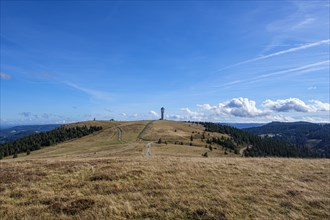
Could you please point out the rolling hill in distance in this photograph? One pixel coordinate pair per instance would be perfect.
(314, 136)
(16, 132)
(106, 174)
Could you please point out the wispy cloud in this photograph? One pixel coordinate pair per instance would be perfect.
(312, 88)
(303, 23)
(94, 93)
(324, 63)
(5, 76)
(294, 49)
(297, 70)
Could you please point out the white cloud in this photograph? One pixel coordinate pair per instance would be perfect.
(312, 88)
(240, 107)
(295, 104)
(296, 70)
(246, 108)
(301, 69)
(134, 115)
(206, 106)
(5, 76)
(286, 105)
(191, 115)
(176, 117)
(304, 23)
(319, 106)
(315, 119)
(153, 113)
(294, 49)
(281, 118)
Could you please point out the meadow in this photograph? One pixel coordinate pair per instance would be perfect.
(100, 177)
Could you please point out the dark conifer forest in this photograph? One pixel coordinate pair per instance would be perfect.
(314, 136)
(257, 146)
(45, 139)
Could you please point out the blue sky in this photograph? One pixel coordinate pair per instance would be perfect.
(227, 61)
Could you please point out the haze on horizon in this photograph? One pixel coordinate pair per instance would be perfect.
(224, 61)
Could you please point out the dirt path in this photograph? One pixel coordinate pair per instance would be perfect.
(241, 151)
(140, 136)
(120, 134)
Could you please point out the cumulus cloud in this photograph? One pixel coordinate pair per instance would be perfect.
(246, 108)
(191, 115)
(5, 76)
(319, 106)
(176, 117)
(240, 107)
(153, 113)
(295, 104)
(286, 105)
(206, 106)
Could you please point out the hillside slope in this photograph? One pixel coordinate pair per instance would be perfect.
(106, 175)
(314, 136)
(164, 187)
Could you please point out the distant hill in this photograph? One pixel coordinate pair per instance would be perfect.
(17, 132)
(243, 125)
(314, 136)
(252, 145)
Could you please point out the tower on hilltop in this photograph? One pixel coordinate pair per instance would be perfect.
(162, 110)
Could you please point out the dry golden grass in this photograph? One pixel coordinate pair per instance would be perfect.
(106, 143)
(100, 177)
(165, 188)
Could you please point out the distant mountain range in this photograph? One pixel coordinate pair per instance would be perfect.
(314, 136)
(17, 132)
(243, 125)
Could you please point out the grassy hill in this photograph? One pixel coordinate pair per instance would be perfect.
(105, 175)
(121, 138)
